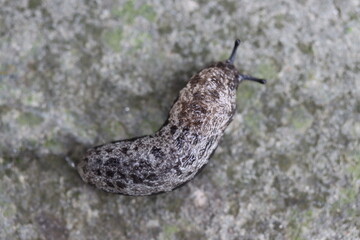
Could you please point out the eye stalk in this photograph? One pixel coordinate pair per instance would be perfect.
(250, 78)
(233, 53)
(242, 77)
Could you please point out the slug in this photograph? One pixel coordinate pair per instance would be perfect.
(180, 148)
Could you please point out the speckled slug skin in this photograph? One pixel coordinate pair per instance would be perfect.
(177, 152)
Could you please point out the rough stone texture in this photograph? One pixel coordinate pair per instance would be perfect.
(74, 74)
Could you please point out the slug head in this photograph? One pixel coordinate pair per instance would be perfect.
(229, 65)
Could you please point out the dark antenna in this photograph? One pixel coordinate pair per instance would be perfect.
(233, 53)
(243, 77)
(250, 78)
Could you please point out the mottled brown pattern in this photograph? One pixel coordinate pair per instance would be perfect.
(174, 154)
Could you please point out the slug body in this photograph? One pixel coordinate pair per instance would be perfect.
(180, 148)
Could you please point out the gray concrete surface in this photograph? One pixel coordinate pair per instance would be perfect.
(77, 73)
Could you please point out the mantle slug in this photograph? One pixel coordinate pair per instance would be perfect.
(174, 154)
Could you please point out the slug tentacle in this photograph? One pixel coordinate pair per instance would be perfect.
(180, 148)
(233, 53)
(250, 78)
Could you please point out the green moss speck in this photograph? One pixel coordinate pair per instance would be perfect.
(267, 70)
(137, 42)
(9, 210)
(32, 4)
(243, 95)
(112, 38)
(114, 129)
(252, 121)
(170, 231)
(300, 119)
(348, 195)
(175, 205)
(29, 99)
(348, 30)
(224, 55)
(284, 162)
(147, 12)
(347, 201)
(234, 209)
(29, 119)
(54, 146)
(140, 39)
(298, 221)
(310, 75)
(279, 21)
(354, 168)
(305, 48)
(128, 12)
(353, 16)
(230, 172)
